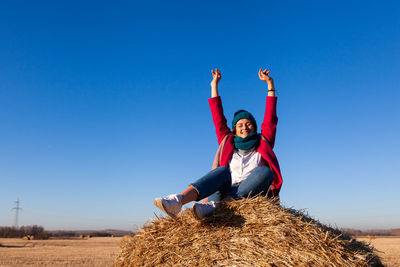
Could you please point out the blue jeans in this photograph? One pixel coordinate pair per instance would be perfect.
(217, 184)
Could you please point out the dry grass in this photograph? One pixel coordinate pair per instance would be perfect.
(388, 248)
(97, 251)
(247, 232)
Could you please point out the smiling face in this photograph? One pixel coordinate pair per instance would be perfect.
(244, 127)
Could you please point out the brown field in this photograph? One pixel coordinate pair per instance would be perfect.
(96, 251)
(388, 248)
(101, 251)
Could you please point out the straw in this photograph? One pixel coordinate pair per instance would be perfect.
(247, 232)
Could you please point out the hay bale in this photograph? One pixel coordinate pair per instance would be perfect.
(246, 232)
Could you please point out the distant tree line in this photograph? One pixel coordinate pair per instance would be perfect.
(38, 232)
(32, 230)
(92, 233)
(373, 232)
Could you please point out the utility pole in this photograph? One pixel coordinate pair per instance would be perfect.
(17, 208)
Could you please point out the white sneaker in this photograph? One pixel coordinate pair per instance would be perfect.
(201, 210)
(170, 204)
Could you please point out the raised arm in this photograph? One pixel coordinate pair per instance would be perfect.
(214, 83)
(268, 127)
(264, 76)
(217, 112)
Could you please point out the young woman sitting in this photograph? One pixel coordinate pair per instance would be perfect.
(245, 164)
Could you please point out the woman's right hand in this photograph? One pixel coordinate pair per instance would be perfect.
(216, 77)
(214, 83)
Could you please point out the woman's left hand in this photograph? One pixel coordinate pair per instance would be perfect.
(264, 76)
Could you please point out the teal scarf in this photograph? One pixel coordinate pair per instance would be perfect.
(250, 141)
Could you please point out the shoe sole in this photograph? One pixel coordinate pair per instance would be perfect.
(194, 212)
(158, 203)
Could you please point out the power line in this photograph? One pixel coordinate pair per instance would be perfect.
(16, 208)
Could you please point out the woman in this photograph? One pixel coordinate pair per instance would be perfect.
(244, 165)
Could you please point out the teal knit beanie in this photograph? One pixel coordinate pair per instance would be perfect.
(243, 114)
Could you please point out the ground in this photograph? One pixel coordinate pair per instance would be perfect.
(97, 251)
(101, 251)
(388, 248)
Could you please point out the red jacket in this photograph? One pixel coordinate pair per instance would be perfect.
(268, 132)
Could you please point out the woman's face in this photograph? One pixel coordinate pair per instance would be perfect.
(244, 127)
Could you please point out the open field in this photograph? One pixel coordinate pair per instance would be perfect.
(96, 251)
(388, 248)
(101, 251)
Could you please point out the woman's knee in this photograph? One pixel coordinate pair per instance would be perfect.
(257, 183)
(262, 175)
(221, 169)
(215, 180)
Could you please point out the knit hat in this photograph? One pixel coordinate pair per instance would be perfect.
(243, 114)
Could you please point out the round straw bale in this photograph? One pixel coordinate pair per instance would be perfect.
(247, 232)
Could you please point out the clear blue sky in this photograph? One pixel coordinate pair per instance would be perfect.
(104, 104)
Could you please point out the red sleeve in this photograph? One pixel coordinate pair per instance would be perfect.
(217, 112)
(268, 127)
